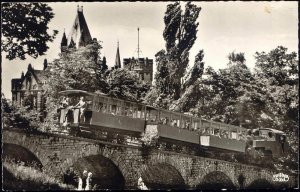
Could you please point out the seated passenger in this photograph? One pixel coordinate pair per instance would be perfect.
(174, 123)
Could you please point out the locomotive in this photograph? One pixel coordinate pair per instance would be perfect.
(104, 113)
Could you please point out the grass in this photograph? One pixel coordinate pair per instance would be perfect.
(17, 176)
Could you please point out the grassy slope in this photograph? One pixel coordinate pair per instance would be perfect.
(20, 177)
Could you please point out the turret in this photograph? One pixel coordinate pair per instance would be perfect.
(45, 64)
(64, 42)
(118, 60)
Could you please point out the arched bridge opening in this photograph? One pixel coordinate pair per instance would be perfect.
(260, 184)
(216, 180)
(17, 153)
(162, 176)
(105, 174)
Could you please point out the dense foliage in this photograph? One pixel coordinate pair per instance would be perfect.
(24, 28)
(180, 35)
(23, 117)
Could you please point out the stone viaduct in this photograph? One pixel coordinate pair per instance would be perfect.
(56, 153)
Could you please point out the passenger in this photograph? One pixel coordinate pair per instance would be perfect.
(187, 125)
(81, 105)
(174, 123)
(64, 103)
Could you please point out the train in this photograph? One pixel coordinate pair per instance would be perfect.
(104, 113)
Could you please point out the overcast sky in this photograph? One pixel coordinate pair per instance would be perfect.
(223, 27)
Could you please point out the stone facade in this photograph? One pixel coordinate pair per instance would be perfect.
(142, 66)
(58, 152)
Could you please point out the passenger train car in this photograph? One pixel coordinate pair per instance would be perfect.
(102, 112)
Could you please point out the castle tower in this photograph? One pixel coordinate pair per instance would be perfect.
(80, 34)
(118, 60)
(142, 66)
(64, 42)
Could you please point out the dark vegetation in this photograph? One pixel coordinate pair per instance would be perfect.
(24, 28)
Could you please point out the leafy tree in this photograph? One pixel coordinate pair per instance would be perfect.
(191, 88)
(180, 35)
(277, 72)
(19, 116)
(75, 69)
(24, 28)
(277, 65)
(126, 85)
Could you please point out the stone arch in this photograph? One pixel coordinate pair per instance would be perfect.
(106, 174)
(216, 180)
(18, 153)
(162, 176)
(260, 184)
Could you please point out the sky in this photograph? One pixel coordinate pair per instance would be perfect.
(224, 27)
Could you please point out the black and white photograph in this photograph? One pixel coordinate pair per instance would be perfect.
(146, 95)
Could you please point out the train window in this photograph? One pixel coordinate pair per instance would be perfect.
(134, 111)
(140, 112)
(114, 109)
(185, 122)
(164, 117)
(217, 132)
(270, 134)
(195, 124)
(205, 124)
(175, 120)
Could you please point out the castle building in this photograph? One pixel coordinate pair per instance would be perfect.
(28, 88)
(142, 66)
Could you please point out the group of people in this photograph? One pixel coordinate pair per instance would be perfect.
(65, 104)
(85, 183)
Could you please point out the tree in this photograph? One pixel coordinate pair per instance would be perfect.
(75, 69)
(191, 93)
(278, 73)
(277, 65)
(180, 35)
(19, 116)
(126, 85)
(24, 28)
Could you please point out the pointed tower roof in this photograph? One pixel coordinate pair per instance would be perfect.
(80, 32)
(72, 43)
(64, 41)
(118, 60)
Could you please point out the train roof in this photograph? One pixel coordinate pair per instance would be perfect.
(273, 130)
(75, 92)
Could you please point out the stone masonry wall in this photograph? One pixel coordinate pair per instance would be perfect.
(58, 152)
